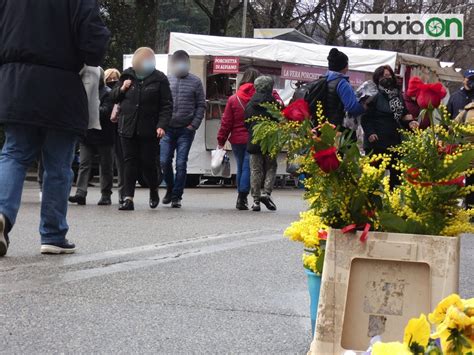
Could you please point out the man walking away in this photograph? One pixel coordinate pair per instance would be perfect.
(188, 111)
(263, 168)
(340, 95)
(43, 105)
(464, 96)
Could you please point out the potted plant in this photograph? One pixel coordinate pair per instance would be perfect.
(349, 192)
(310, 231)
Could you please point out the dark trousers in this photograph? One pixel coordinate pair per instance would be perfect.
(119, 164)
(394, 173)
(139, 156)
(106, 164)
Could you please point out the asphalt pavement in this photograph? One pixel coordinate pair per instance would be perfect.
(203, 279)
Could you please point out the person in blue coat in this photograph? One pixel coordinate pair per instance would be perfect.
(340, 97)
(43, 104)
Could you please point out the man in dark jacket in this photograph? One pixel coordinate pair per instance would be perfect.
(463, 96)
(43, 104)
(189, 106)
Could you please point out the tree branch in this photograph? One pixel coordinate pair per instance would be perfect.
(204, 8)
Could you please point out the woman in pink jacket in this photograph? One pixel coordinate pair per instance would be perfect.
(233, 129)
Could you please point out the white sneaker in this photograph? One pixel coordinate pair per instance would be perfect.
(40, 196)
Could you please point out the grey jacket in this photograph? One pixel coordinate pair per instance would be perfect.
(189, 102)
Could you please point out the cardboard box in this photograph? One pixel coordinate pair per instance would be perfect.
(374, 288)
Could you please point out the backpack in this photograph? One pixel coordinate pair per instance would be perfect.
(316, 91)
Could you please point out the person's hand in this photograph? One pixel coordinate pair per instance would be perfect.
(126, 85)
(160, 132)
(220, 146)
(373, 138)
(414, 125)
(191, 128)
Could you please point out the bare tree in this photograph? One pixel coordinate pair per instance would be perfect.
(220, 12)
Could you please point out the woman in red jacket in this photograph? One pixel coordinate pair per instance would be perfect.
(233, 129)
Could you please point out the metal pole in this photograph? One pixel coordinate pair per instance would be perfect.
(244, 19)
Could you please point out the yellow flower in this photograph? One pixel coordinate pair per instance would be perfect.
(417, 331)
(309, 262)
(394, 348)
(439, 314)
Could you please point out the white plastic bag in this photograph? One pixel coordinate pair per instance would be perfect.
(220, 163)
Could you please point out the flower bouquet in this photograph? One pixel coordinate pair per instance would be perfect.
(454, 322)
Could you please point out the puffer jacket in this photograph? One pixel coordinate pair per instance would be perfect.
(189, 101)
(233, 120)
(146, 106)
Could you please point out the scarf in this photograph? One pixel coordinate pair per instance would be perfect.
(394, 101)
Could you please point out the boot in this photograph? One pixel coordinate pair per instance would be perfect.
(154, 199)
(80, 200)
(168, 197)
(268, 202)
(242, 202)
(256, 205)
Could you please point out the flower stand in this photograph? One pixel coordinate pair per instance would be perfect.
(374, 288)
(314, 286)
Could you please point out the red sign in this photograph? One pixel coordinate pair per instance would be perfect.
(226, 65)
(306, 73)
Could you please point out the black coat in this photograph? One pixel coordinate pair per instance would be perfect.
(379, 120)
(254, 109)
(41, 54)
(146, 106)
(105, 136)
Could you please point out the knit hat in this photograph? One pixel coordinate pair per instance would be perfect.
(337, 60)
(264, 84)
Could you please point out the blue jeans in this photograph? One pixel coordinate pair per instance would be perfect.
(179, 140)
(243, 167)
(22, 146)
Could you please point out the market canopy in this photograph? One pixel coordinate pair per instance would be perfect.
(360, 59)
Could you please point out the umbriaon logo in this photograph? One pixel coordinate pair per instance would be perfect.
(407, 26)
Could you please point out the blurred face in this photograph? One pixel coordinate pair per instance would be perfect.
(469, 83)
(181, 67)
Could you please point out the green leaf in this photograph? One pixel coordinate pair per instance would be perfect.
(320, 262)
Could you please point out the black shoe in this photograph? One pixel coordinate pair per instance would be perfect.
(80, 200)
(121, 201)
(176, 203)
(256, 206)
(104, 201)
(4, 242)
(127, 205)
(268, 202)
(63, 248)
(154, 199)
(168, 198)
(242, 202)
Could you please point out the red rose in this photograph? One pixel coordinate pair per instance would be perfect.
(327, 159)
(427, 95)
(297, 111)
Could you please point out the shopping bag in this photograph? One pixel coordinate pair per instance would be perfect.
(220, 163)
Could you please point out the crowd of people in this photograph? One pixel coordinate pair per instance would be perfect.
(146, 119)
